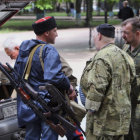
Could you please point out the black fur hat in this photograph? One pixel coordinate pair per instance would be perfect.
(44, 24)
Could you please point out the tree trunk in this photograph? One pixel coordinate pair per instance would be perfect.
(67, 9)
(99, 7)
(84, 6)
(58, 7)
(89, 10)
(54, 2)
(78, 10)
(105, 10)
(78, 6)
(39, 13)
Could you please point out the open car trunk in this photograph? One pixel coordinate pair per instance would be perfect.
(9, 8)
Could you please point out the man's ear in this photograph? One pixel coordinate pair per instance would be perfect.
(46, 33)
(100, 36)
(16, 47)
(138, 33)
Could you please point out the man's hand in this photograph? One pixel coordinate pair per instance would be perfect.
(6, 67)
(73, 95)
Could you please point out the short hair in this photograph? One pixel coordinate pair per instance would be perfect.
(12, 42)
(135, 22)
(125, 2)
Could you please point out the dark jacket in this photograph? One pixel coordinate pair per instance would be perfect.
(125, 13)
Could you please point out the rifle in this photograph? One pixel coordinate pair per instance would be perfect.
(28, 95)
(57, 95)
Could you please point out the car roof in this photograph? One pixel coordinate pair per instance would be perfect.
(9, 8)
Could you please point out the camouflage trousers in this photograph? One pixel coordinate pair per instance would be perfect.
(90, 136)
(129, 136)
(134, 132)
(135, 123)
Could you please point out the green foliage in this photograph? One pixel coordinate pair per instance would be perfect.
(43, 4)
(17, 25)
(7, 30)
(48, 4)
(110, 4)
(29, 6)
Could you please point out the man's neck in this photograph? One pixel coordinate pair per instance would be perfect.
(41, 38)
(106, 44)
(132, 48)
(134, 45)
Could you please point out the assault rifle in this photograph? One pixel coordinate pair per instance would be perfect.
(57, 95)
(28, 95)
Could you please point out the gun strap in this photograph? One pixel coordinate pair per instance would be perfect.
(29, 61)
(40, 56)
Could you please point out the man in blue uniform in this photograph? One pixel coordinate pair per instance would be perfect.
(46, 32)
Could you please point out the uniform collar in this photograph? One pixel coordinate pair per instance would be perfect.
(107, 45)
(134, 52)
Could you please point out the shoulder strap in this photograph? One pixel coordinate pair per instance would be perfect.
(125, 47)
(40, 56)
(29, 61)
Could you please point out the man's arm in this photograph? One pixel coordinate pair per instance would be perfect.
(98, 81)
(68, 72)
(53, 70)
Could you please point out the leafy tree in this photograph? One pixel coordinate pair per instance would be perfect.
(108, 6)
(43, 4)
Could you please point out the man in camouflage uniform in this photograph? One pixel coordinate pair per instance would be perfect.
(131, 34)
(106, 81)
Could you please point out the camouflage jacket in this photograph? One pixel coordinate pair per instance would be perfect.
(68, 72)
(106, 81)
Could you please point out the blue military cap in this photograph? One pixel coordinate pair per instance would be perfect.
(106, 30)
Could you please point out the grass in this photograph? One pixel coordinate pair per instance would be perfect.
(26, 25)
(94, 13)
(17, 25)
(63, 13)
